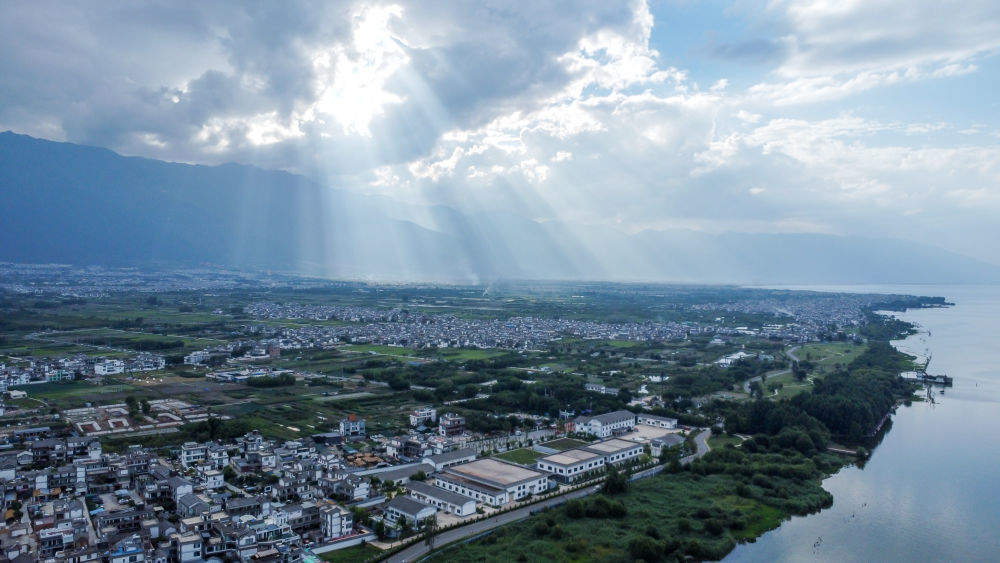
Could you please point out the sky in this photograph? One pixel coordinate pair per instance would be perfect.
(841, 117)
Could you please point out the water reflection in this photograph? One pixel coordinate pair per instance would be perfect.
(930, 489)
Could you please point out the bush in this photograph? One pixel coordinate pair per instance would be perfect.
(574, 509)
(645, 548)
(713, 527)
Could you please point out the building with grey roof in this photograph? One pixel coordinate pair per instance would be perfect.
(449, 501)
(408, 509)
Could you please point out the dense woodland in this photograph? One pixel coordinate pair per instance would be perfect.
(847, 404)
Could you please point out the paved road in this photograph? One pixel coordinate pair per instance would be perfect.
(790, 353)
(418, 550)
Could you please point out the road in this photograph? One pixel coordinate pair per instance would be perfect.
(790, 353)
(419, 549)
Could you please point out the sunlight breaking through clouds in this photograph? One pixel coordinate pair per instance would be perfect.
(622, 115)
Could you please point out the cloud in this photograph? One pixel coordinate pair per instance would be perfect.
(832, 50)
(554, 111)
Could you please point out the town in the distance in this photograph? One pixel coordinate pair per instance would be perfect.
(200, 414)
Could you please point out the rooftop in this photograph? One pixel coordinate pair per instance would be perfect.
(407, 505)
(494, 471)
(437, 492)
(570, 457)
(611, 446)
(453, 455)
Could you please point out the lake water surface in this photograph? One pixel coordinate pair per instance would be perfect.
(931, 490)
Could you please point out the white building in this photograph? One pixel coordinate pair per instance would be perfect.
(335, 520)
(447, 459)
(352, 428)
(211, 478)
(197, 357)
(606, 425)
(445, 500)
(423, 415)
(192, 453)
(569, 464)
(657, 421)
(598, 388)
(408, 509)
(109, 367)
(656, 445)
(492, 481)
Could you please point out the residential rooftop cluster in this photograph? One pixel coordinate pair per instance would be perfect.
(399, 328)
(255, 499)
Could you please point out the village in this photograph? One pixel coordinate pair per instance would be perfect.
(251, 498)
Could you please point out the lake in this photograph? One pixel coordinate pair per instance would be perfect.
(931, 490)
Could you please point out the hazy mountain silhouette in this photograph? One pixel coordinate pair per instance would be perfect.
(84, 205)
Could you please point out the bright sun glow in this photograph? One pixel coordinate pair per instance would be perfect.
(351, 79)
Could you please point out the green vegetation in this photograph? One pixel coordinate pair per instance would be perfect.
(848, 404)
(563, 444)
(282, 380)
(731, 494)
(523, 456)
(700, 514)
(718, 441)
(351, 554)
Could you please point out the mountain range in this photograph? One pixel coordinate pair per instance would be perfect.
(77, 204)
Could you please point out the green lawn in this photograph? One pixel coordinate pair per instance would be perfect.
(789, 385)
(563, 444)
(655, 505)
(826, 355)
(469, 353)
(66, 389)
(624, 343)
(523, 456)
(722, 441)
(398, 351)
(351, 554)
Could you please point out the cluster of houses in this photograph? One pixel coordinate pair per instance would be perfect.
(42, 370)
(421, 330)
(254, 499)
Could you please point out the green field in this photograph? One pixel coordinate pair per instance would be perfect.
(351, 554)
(131, 340)
(523, 456)
(469, 353)
(722, 440)
(827, 355)
(789, 385)
(62, 390)
(377, 349)
(563, 444)
(654, 506)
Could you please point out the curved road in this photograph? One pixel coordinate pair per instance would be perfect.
(791, 354)
(419, 549)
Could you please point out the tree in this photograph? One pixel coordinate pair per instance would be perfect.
(133, 406)
(146, 407)
(430, 530)
(214, 425)
(645, 548)
(616, 482)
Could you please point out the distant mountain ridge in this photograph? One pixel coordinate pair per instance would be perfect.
(85, 205)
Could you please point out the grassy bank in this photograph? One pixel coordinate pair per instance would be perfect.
(701, 514)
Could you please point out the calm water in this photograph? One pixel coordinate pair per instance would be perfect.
(931, 490)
